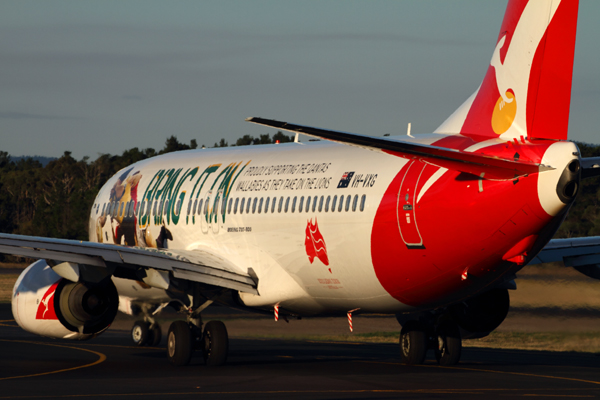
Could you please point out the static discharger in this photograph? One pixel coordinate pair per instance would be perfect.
(276, 311)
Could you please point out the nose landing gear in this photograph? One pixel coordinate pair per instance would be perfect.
(146, 334)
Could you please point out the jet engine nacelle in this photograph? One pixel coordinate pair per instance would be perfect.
(482, 313)
(46, 304)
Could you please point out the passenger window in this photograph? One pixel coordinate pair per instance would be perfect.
(260, 203)
(243, 202)
(333, 203)
(129, 210)
(103, 209)
(178, 207)
(273, 206)
(287, 203)
(154, 208)
(294, 204)
(301, 204)
(341, 204)
(200, 203)
(166, 209)
(189, 207)
(248, 205)
(321, 204)
(268, 199)
(348, 198)
(362, 202)
(121, 209)
(235, 205)
(280, 204)
(327, 203)
(315, 203)
(308, 204)
(354, 203)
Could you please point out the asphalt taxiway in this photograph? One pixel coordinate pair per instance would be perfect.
(109, 367)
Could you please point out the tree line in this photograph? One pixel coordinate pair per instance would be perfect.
(55, 200)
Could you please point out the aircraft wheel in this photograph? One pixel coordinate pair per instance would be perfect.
(156, 335)
(449, 344)
(413, 343)
(215, 343)
(140, 333)
(179, 343)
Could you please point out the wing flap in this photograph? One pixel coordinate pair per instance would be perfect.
(196, 265)
(472, 163)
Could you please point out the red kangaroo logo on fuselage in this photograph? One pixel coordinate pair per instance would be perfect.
(315, 244)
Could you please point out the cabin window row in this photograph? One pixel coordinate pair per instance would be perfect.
(292, 204)
(128, 209)
(240, 205)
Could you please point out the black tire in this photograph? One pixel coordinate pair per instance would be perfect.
(413, 343)
(179, 343)
(215, 343)
(156, 335)
(140, 333)
(448, 344)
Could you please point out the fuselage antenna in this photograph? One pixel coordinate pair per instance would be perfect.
(408, 131)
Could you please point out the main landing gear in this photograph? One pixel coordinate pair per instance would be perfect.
(185, 337)
(416, 338)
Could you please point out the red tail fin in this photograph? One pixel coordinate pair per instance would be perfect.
(527, 88)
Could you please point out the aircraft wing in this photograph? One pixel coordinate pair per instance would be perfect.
(583, 254)
(472, 163)
(193, 265)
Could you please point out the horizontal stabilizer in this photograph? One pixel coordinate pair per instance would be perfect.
(583, 254)
(472, 163)
(590, 167)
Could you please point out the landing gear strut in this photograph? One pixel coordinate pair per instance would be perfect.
(416, 338)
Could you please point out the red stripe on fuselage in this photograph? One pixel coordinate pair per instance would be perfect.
(461, 226)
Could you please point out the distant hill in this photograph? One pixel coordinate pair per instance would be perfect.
(43, 160)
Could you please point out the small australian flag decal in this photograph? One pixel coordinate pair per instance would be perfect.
(345, 181)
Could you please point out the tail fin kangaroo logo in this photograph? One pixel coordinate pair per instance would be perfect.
(315, 244)
(505, 109)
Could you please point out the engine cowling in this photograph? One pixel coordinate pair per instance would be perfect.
(482, 313)
(46, 304)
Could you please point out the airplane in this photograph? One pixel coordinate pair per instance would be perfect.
(430, 228)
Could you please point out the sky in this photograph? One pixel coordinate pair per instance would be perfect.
(96, 77)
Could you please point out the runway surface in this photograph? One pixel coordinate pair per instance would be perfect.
(109, 367)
